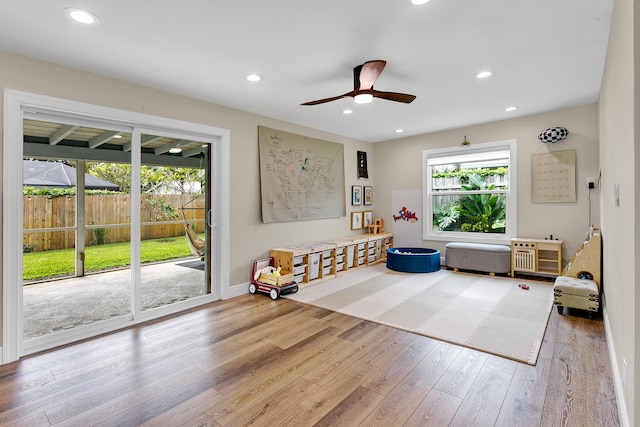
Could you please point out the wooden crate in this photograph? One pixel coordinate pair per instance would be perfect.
(278, 281)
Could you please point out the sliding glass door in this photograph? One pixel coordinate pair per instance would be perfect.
(114, 221)
(174, 233)
(76, 230)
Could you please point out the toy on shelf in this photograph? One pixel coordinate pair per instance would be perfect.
(266, 278)
(377, 227)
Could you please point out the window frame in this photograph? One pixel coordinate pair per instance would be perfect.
(428, 233)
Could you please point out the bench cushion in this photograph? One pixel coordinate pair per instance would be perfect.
(574, 286)
(576, 293)
(484, 247)
(478, 256)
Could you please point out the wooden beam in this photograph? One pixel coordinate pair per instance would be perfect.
(102, 138)
(45, 151)
(194, 152)
(62, 133)
(175, 144)
(145, 140)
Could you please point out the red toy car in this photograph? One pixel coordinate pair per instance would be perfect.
(268, 284)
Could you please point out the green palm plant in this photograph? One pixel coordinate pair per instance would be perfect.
(482, 213)
(445, 217)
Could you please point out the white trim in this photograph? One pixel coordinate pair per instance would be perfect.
(237, 290)
(16, 103)
(12, 229)
(222, 237)
(447, 153)
(134, 230)
(623, 415)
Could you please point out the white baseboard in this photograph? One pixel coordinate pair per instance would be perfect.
(615, 373)
(237, 290)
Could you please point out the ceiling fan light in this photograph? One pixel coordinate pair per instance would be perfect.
(363, 98)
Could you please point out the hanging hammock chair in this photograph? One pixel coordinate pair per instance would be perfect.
(196, 244)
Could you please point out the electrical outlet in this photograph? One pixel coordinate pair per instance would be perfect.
(591, 183)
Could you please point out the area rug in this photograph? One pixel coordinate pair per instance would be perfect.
(492, 314)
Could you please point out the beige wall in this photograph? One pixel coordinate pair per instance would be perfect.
(250, 238)
(619, 118)
(399, 167)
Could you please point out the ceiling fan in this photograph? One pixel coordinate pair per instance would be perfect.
(363, 92)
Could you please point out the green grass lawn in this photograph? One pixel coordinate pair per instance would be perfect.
(40, 265)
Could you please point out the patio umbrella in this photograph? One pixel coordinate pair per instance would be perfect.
(41, 174)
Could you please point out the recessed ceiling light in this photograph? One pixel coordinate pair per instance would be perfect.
(419, 2)
(511, 108)
(347, 111)
(399, 130)
(254, 77)
(483, 74)
(175, 150)
(82, 16)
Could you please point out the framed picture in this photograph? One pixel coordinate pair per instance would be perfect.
(356, 195)
(356, 220)
(368, 195)
(368, 218)
(362, 165)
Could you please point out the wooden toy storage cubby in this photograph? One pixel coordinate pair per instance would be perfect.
(318, 261)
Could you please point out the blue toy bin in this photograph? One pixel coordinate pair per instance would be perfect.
(413, 260)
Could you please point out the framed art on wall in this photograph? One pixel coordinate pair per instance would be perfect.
(356, 220)
(362, 165)
(368, 195)
(368, 218)
(356, 195)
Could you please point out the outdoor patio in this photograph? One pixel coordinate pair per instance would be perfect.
(63, 304)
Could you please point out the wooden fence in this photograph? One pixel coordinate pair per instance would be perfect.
(49, 222)
(441, 186)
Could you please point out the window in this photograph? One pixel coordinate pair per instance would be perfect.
(468, 193)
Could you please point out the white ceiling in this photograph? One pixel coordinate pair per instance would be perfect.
(545, 54)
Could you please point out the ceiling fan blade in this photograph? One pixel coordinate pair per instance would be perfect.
(394, 96)
(365, 75)
(322, 101)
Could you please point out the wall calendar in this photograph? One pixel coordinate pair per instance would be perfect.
(553, 177)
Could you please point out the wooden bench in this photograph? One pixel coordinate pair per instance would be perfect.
(492, 259)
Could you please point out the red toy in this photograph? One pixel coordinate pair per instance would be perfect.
(269, 284)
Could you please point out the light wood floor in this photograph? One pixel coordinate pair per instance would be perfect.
(251, 360)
